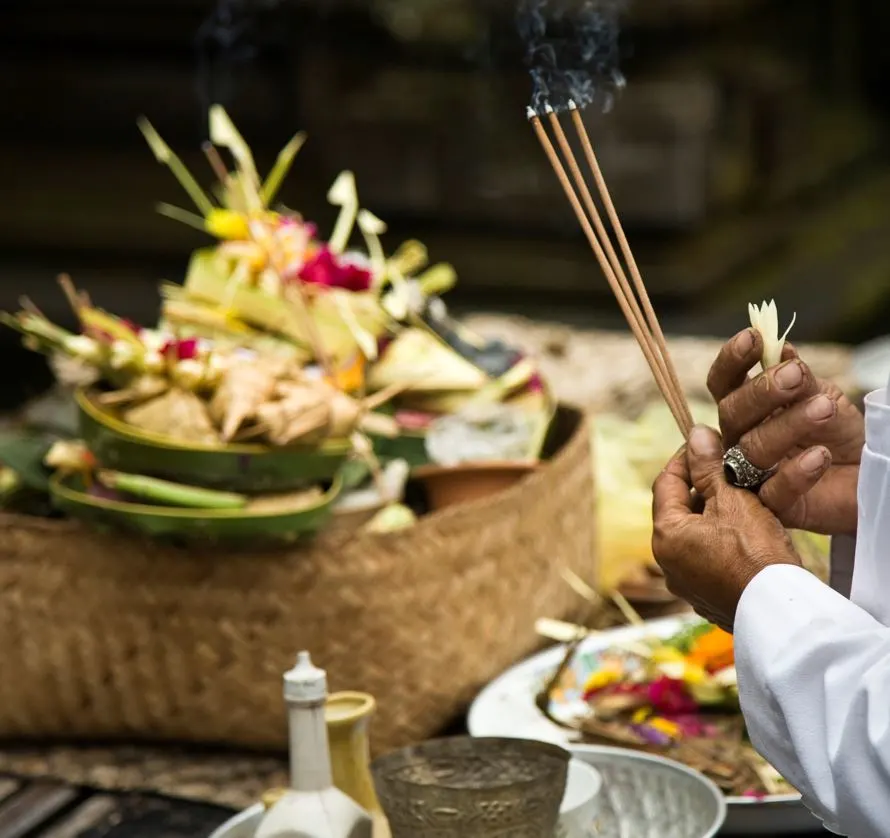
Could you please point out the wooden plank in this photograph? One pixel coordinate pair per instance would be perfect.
(90, 814)
(36, 803)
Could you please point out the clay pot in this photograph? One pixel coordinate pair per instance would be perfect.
(451, 485)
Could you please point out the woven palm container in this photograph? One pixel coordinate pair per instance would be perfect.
(106, 636)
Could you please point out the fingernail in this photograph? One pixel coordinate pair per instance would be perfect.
(703, 441)
(813, 461)
(821, 408)
(789, 376)
(744, 343)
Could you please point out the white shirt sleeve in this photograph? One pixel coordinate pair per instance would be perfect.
(814, 680)
(814, 667)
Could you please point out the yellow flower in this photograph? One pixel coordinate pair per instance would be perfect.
(667, 654)
(694, 674)
(665, 727)
(641, 715)
(226, 224)
(604, 677)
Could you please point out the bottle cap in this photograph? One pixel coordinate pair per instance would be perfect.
(305, 682)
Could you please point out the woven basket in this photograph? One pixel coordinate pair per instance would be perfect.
(106, 636)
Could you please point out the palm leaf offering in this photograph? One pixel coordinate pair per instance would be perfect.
(280, 360)
(675, 696)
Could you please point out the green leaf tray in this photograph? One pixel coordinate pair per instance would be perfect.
(251, 469)
(193, 525)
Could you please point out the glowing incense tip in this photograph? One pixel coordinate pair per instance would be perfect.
(530, 113)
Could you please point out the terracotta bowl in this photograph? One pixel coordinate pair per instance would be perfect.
(451, 485)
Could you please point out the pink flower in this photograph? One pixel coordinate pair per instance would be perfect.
(326, 270)
(670, 697)
(309, 228)
(693, 726)
(182, 350)
(414, 420)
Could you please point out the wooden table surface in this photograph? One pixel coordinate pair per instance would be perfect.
(48, 809)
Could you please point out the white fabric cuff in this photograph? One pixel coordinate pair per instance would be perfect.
(781, 601)
(780, 595)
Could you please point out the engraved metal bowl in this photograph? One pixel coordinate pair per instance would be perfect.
(647, 796)
(463, 787)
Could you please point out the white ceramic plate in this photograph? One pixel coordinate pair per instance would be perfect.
(506, 707)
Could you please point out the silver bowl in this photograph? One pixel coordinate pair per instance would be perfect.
(463, 787)
(646, 796)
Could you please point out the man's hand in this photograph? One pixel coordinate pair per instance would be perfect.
(711, 544)
(787, 418)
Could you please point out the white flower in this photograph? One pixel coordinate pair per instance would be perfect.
(122, 354)
(189, 374)
(84, 347)
(154, 340)
(154, 362)
(67, 455)
(765, 318)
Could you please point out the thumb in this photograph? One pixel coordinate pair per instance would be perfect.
(705, 458)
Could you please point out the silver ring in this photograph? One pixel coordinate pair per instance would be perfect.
(741, 472)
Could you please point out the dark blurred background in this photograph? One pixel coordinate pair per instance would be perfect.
(748, 156)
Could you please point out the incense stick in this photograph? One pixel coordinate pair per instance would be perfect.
(627, 305)
(605, 240)
(637, 277)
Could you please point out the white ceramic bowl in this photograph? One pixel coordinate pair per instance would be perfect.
(581, 801)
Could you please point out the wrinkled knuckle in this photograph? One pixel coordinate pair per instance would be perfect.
(662, 537)
(727, 412)
(752, 443)
(715, 381)
(763, 382)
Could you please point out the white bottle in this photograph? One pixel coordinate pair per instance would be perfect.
(313, 807)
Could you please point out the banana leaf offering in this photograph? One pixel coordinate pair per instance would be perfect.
(167, 510)
(282, 361)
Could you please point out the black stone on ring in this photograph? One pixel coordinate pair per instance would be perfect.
(741, 472)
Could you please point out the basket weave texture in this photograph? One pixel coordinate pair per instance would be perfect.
(107, 636)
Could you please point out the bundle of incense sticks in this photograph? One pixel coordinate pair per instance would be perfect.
(633, 300)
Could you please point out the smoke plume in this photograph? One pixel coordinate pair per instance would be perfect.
(572, 51)
(226, 43)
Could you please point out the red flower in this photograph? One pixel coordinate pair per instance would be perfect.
(182, 350)
(670, 697)
(326, 270)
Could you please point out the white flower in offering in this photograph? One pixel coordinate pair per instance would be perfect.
(154, 362)
(83, 347)
(765, 319)
(189, 373)
(270, 282)
(68, 455)
(122, 354)
(154, 341)
(216, 367)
